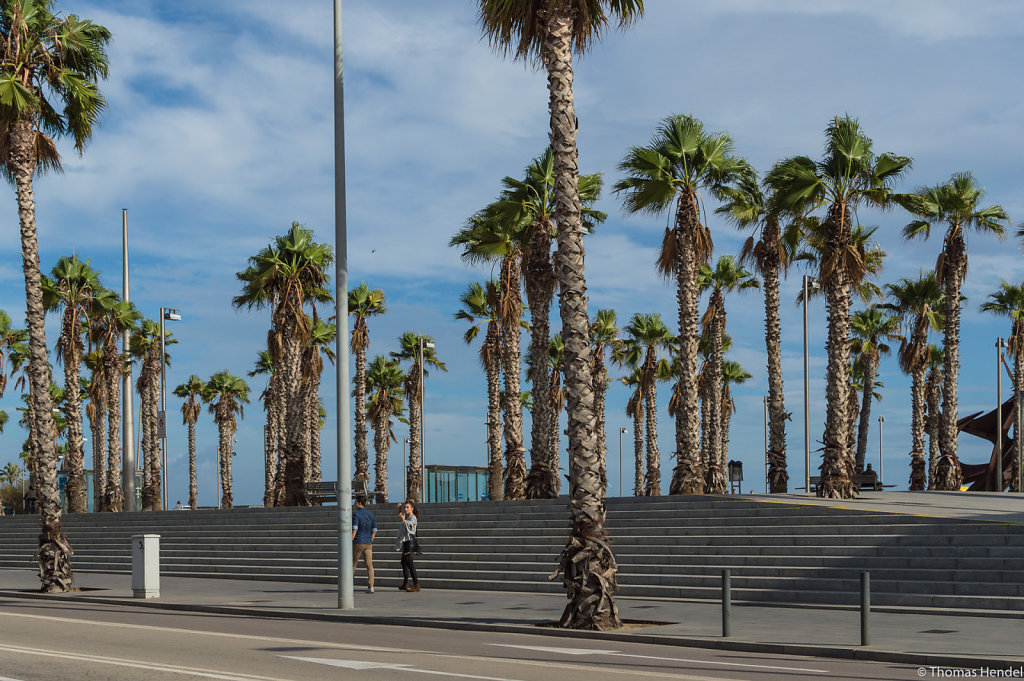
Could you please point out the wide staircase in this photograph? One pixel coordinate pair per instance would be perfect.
(667, 547)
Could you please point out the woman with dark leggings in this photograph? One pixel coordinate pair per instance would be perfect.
(406, 543)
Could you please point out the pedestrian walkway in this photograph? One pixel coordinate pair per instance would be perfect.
(946, 640)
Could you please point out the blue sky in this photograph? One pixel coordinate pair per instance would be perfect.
(219, 134)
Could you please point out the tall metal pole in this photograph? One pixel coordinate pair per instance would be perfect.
(621, 431)
(1000, 344)
(346, 600)
(128, 426)
(881, 420)
(767, 488)
(163, 410)
(807, 402)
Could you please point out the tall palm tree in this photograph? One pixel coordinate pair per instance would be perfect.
(733, 373)
(96, 411)
(50, 69)
(385, 380)
(933, 422)
(635, 408)
(10, 337)
(549, 34)
(726, 277)
(227, 395)
(363, 302)
(1008, 301)
(419, 351)
(273, 468)
(769, 251)
(871, 329)
(957, 205)
(849, 175)
(285, 276)
(145, 346)
(191, 391)
(322, 337)
(530, 202)
(603, 335)
(917, 303)
(479, 305)
(488, 235)
(69, 291)
(119, 317)
(556, 403)
(645, 335)
(682, 163)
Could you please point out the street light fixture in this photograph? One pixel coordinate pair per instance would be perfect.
(168, 314)
(621, 431)
(809, 284)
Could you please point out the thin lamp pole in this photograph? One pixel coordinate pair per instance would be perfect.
(1000, 344)
(346, 600)
(621, 431)
(767, 489)
(807, 401)
(881, 420)
(127, 409)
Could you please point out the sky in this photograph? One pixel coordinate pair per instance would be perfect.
(219, 134)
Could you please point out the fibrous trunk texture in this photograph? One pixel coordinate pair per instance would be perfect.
(837, 463)
(715, 481)
(948, 476)
(149, 396)
(293, 451)
(97, 424)
(587, 565)
(192, 480)
(381, 446)
(870, 368)
(1018, 417)
(778, 475)
(933, 421)
(76, 490)
(688, 475)
(495, 469)
(226, 431)
(515, 462)
(313, 424)
(542, 481)
(918, 475)
(362, 457)
(600, 377)
(114, 500)
(53, 552)
(413, 472)
(552, 483)
(638, 447)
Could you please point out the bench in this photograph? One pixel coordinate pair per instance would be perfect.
(327, 492)
(863, 481)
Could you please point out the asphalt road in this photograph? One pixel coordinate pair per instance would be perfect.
(47, 641)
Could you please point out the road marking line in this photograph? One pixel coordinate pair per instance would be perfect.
(4, 678)
(150, 666)
(363, 664)
(612, 653)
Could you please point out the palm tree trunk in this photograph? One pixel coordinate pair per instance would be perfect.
(97, 424)
(149, 394)
(600, 377)
(688, 476)
(551, 459)
(933, 388)
(515, 465)
(778, 476)
(653, 486)
(54, 552)
(837, 463)
(293, 452)
(495, 469)
(947, 472)
(192, 479)
(1018, 418)
(639, 485)
(870, 368)
(704, 459)
(78, 501)
(918, 475)
(541, 482)
(715, 482)
(315, 472)
(413, 473)
(381, 445)
(226, 433)
(307, 430)
(588, 566)
(726, 422)
(112, 379)
(362, 458)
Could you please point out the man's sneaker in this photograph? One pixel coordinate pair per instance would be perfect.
(369, 589)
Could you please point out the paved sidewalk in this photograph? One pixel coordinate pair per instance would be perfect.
(823, 632)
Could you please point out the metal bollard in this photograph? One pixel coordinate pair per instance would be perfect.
(865, 608)
(726, 603)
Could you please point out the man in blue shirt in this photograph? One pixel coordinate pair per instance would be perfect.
(364, 530)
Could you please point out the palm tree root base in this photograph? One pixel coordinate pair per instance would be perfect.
(588, 570)
(918, 475)
(686, 478)
(114, 500)
(54, 555)
(715, 482)
(948, 476)
(540, 483)
(515, 474)
(835, 477)
(778, 478)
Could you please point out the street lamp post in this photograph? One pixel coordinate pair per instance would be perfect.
(767, 488)
(621, 431)
(881, 420)
(405, 467)
(423, 429)
(808, 283)
(169, 314)
(127, 409)
(1000, 344)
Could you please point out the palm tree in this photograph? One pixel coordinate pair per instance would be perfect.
(871, 328)
(191, 391)
(226, 394)
(69, 291)
(479, 305)
(530, 202)
(635, 408)
(145, 346)
(917, 303)
(490, 235)
(322, 337)
(848, 176)
(933, 423)
(556, 403)
(769, 251)
(50, 69)
(549, 34)
(385, 379)
(284, 276)
(96, 410)
(419, 350)
(727, 276)
(119, 317)
(273, 468)
(645, 335)
(682, 162)
(733, 373)
(603, 335)
(363, 302)
(956, 204)
(10, 338)
(1008, 301)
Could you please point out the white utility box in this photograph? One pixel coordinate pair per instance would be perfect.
(146, 565)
